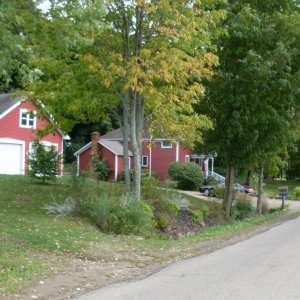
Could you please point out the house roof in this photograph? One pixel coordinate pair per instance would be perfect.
(113, 146)
(117, 135)
(7, 101)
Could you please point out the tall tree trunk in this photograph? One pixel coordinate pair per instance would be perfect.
(260, 189)
(135, 146)
(125, 142)
(227, 201)
(249, 180)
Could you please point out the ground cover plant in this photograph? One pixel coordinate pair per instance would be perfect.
(35, 244)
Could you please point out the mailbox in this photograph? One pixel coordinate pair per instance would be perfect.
(283, 191)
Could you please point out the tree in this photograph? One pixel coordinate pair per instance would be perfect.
(148, 56)
(17, 17)
(43, 161)
(253, 95)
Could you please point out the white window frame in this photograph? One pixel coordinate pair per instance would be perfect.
(187, 158)
(170, 145)
(28, 114)
(147, 164)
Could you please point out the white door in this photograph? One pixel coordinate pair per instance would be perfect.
(11, 159)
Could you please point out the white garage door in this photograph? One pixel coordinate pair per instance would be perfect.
(11, 159)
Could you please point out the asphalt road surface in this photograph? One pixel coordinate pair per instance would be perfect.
(266, 266)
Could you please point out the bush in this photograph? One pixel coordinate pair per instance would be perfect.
(187, 175)
(65, 209)
(101, 168)
(197, 215)
(219, 192)
(127, 216)
(43, 162)
(242, 207)
(265, 207)
(297, 192)
(209, 180)
(144, 175)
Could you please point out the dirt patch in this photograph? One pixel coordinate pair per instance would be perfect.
(103, 266)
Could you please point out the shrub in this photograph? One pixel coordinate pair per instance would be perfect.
(144, 175)
(101, 168)
(219, 192)
(197, 215)
(242, 207)
(187, 175)
(43, 161)
(297, 192)
(209, 180)
(126, 216)
(265, 207)
(65, 209)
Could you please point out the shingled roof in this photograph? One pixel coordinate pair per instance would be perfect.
(117, 135)
(7, 101)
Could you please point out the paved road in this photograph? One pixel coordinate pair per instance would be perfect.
(267, 266)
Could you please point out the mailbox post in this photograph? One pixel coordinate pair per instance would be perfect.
(283, 192)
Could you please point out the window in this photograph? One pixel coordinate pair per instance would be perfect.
(187, 158)
(166, 144)
(144, 161)
(27, 118)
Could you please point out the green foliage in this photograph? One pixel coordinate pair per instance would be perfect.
(209, 180)
(187, 175)
(43, 162)
(242, 207)
(219, 192)
(144, 175)
(101, 168)
(16, 27)
(197, 215)
(120, 216)
(297, 192)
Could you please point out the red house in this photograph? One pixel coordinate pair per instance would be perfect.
(18, 122)
(157, 154)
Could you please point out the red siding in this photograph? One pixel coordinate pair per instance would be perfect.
(161, 158)
(9, 128)
(110, 161)
(84, 161)
(183, 152)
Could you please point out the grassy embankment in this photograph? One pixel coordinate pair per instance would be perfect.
(33, 242)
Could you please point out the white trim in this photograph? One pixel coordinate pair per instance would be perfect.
(78, 165)
(166, 147)
(145, 165)
(10, 109)
(187, 158)
(116, 167)
(62, 157)
(87, 146)
(112, 151)
(150, 160)
(18, 142)
(177, 151)
(28, 113)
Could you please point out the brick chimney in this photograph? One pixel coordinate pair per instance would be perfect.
(95, 136)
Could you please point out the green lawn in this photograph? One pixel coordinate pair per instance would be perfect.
(32, 242)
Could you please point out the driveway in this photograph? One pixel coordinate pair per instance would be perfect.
(264, 267)
(273, 202)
